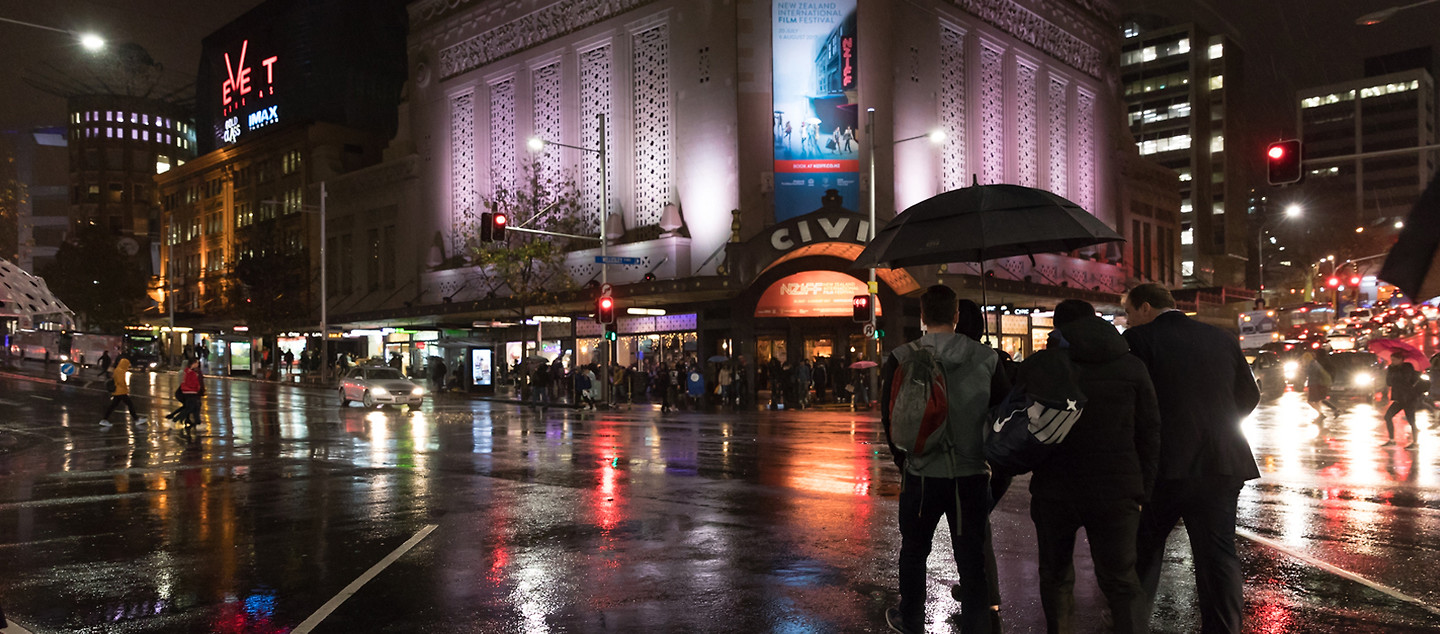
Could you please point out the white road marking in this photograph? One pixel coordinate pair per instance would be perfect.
(310, 623)
(1336, 570)
(43, 398)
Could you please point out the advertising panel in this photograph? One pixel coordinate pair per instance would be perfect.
(239, 356)
(816, 115)
(480, 365)
(812, 294)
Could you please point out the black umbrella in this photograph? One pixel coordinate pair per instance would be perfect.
(984, 222)
(1411, 263)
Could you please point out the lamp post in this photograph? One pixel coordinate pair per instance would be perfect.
(1376, 17)
(536, 144)
(872, 287)
(90, 41)
(1293, 211)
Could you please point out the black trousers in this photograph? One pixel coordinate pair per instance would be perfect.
(1207, 504)
(1395, 408)
(1110, 527)
(116, 400)
(965, 504)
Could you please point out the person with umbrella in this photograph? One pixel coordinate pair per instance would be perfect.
(1402, 379)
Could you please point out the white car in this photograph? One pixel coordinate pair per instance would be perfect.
(374, 386)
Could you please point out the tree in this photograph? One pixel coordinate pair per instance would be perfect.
(526, 267)
(104, 286)
(274, 288)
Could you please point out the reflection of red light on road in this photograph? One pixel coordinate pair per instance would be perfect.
(497, 567)
(1271, 617)
(607, 509)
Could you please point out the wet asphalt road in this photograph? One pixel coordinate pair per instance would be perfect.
(565, 521)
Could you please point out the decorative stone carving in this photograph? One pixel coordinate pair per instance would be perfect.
(992, 115)
(1031, 29)
(1059, 142)
(1027, 161)
(653, 121)
(533, 29)
(952, 107)
(502, 135)
(462, 159)
(595, 99)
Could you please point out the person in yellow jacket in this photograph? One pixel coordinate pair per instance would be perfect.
(120, 393)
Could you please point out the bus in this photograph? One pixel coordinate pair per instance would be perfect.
(1257, 328)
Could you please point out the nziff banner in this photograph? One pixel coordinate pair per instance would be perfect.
(816, 117)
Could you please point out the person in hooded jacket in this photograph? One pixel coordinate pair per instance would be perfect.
(120, 393)
(1101, 474)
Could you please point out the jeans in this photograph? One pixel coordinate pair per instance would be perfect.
(965, 504)
(1110, 527)
(1395, 408)
(1207, 504)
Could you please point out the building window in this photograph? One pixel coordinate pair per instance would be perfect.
(1187, 268)
(1217, 143)
(1184, 174)
(1218, 209)
(1216, 51)
(1217, 82)
(290, 163)
(1167, 144)
(1325, 100)
(1187, 236)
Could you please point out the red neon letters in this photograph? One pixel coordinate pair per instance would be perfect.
(238, 82)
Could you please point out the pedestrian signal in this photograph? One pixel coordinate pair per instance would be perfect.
(498, 221)
(605, 310)
(863, 312)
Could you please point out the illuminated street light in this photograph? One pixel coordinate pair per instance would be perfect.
(1399, 224)
(90, 41)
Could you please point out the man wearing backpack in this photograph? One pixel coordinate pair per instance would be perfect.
(1102, 472)
(942, 459)
(1205, 389)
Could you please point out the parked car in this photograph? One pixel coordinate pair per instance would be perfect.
(375, 386)
(1355, 374)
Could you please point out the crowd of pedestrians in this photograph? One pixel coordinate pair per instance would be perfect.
(1158, 440)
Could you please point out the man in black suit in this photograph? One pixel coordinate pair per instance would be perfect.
(1205, 389)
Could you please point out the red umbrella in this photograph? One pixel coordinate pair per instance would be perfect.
(1397, 351)
(863, 365)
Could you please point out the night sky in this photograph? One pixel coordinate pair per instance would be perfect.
(170, 30)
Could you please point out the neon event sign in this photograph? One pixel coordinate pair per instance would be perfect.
(245, 91)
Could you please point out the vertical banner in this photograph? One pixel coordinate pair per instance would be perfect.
(816, 115)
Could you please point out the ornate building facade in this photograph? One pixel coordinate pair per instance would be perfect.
(728, 120)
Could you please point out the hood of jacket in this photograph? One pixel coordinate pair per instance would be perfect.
(1094, 340)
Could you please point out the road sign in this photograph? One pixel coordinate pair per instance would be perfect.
(67, 369)
(606, 290)
(869, 330)
(615, 259)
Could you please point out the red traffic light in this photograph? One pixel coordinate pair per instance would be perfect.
(499, 219)
(1355, 281)
(605, 310)
(1283, 162)
(497, 226)
(1332, 282)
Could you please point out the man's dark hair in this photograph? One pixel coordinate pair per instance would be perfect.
(938, 305)
(1155, 295)
(972, 321)
(1072, 310)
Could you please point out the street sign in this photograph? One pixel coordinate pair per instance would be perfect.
(615, 259)
(869, 330)
(67, 369)
(606, 290)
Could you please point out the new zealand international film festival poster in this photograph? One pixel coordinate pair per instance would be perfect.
(816, 118)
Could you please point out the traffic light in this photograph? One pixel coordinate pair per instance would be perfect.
(879, 334)
(1282, 160)
(610, 333)
(1354, 280)
(605, 310)
(497, 226)
(861, 304)
(487, 226)
(1333, 282)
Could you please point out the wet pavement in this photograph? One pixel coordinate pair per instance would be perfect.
(470, 516)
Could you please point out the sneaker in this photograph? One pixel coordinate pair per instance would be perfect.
(105, 423)
(140, 421)
(1388, 443)
(897, 622)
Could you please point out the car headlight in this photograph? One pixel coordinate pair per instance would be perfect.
(1291, 368)
(1364, 378)
(379, 391)
(419, 391)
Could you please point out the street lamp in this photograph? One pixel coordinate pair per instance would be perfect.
(1292, 211)
(90, 41)
(1376, 17)
(538, 144)
(937, 137)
